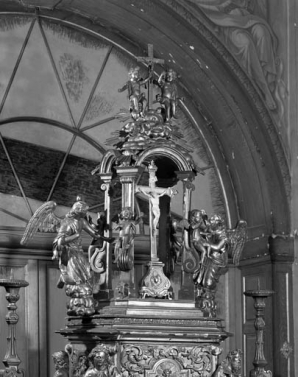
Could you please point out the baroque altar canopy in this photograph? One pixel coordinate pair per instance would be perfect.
(126, 320)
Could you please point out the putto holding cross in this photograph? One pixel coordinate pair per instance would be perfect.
(138, 101)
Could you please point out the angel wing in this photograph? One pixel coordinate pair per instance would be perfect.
(43, 220)
(237, 237)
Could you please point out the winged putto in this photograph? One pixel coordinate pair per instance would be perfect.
(209, 243)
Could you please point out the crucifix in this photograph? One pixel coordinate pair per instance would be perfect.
(150, 61)
(154, 193)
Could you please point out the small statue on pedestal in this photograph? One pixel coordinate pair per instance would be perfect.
(169, 93)
(137, 98)
(124, 243)
(75, 272)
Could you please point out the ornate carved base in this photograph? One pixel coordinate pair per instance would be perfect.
(155, 283)
(152, 337)
(81, 300)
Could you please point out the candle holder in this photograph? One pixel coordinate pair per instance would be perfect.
(11, 359)
(260, 361)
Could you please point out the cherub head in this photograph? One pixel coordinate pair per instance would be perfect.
(171, 75)
(99, 356)
(126, 213)
(79, 208)
(61, 361)
(197, 216)
(233, 362)
(133, 73)
(216, 222)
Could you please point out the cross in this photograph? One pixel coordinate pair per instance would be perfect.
(154, 193)
(150, 60)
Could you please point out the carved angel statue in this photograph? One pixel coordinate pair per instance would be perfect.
(124, 243)
(169, 93)
(137, 99)
(75, 272)
(219, 243)
(212, 244)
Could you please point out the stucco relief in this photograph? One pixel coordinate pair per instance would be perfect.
(74, 75)
(99, 105)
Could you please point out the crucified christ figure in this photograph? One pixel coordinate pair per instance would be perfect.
(154, 193)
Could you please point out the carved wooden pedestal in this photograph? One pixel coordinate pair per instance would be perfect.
(149, 337)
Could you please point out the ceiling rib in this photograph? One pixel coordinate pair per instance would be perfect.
(61, 166)
(55, 123)
(16, 65)
(95, 86)
(103, 121)
(56, 72)
(80, 122)
(13, 215)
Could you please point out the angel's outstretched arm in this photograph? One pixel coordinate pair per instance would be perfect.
(124, 87)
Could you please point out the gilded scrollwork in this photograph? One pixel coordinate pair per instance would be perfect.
(156, 360)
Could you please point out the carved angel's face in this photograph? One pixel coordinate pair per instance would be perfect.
(216, 222)
(133, 74)
(236, 362)
(80, 208)
(60, 361)
(195, 217)
(171, 75)
(126, 214)
(100, 359)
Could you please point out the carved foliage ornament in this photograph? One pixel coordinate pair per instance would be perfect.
(166, 361)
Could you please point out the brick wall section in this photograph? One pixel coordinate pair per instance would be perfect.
(37, 168)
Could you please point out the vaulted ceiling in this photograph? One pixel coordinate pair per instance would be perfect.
(223, 112)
